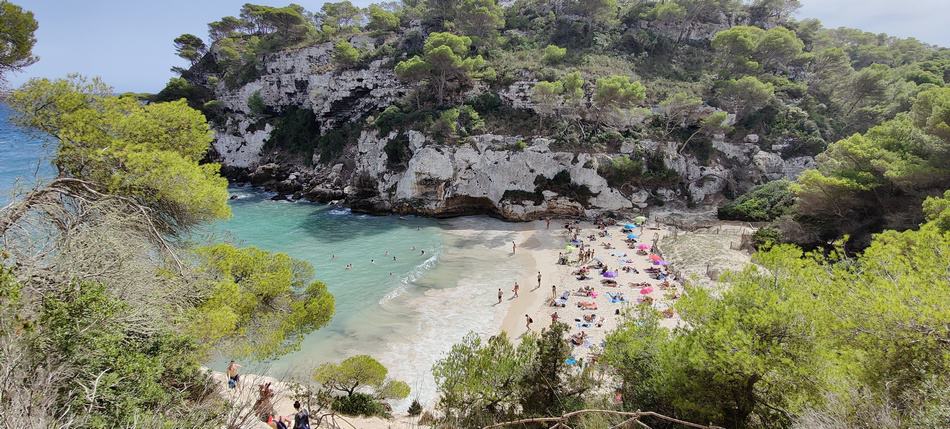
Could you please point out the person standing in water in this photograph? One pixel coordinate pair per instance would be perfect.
(547, 223)
(515, 290)
(499, 295)
(514, 247)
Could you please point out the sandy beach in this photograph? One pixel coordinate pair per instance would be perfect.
(488, 244)
(545, 245)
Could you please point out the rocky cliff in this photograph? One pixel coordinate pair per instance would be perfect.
(511, 176)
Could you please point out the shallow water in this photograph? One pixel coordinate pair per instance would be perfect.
(407, 319)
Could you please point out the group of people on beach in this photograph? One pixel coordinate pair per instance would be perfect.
(264, 405)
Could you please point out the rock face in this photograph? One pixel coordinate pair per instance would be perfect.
(512, 177)
(487, 175)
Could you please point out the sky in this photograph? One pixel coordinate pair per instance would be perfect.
(129, 42)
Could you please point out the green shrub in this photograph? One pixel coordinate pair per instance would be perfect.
(415, 408)
(469, 121)
(765, 237)
(553, 54)
(761, 204)
(359, 404)
(446, 127)
(621, 170)
(256, 103)
(388, 119)
(345, 54)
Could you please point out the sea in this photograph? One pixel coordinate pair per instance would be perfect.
(417, 285)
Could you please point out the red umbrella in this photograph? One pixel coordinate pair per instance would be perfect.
(646, 290)
(656, 257)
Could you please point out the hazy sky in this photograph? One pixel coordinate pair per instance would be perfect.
(129, 42)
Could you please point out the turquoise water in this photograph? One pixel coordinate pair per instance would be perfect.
(406, 312)
(23, 159)
(330, 238)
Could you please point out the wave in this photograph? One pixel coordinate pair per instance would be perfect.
(339, 212)
(410, 278)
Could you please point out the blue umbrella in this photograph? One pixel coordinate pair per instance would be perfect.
(629, 226)
(631, 236)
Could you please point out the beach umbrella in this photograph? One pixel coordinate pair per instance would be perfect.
(631, 236)
(629, 226)
(643, 246)
(646, 290)
(662, 263)
(610, 274)
(640, 220)
(570, 248)
(655, 257)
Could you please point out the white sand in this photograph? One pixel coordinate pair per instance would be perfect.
(537, 250)
(545, 246)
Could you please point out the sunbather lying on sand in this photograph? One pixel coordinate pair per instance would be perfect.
(587, 305)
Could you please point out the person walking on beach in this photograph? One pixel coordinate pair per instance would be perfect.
(514, 247)
(301, 417)
(233, 376)
(539, 280)
(553, 291)
(547, 223)
(515, 290)
(499, 295)
(528, 321)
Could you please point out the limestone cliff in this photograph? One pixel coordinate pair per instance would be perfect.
(511, 176)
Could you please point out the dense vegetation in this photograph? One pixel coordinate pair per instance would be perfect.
(606, 72)
(800, 340)
(104, 298)
(107, 310)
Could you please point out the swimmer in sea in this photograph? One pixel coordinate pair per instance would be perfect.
(372, 261)
(423, 252)
(394, 259)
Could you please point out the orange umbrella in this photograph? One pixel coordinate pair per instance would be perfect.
(656, 257)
